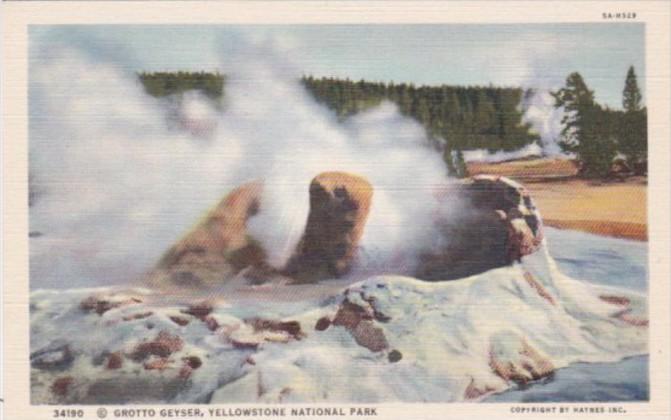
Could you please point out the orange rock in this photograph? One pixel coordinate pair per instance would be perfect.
(339, 206)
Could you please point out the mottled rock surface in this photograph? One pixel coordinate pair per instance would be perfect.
(339, 206)
(216, 248)
(496, 225)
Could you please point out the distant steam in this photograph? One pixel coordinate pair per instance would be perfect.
(545, 119)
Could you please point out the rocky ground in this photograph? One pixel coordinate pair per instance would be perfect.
(484, 312)
(383, 339)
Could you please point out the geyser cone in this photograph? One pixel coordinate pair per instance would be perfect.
(498, 226)
(218, 247)
(339, 206)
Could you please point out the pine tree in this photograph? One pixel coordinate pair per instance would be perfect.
(631, 95)
(576, 99)
(586, 131)
(633, 139)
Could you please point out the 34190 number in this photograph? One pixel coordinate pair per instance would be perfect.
(68, 413)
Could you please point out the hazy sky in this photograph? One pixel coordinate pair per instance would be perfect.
(525, 54)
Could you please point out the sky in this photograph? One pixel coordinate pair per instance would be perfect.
(529, 55)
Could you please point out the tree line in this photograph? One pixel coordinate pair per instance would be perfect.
(161, 84)
(599, 136)
(474, 117)
(458, 118)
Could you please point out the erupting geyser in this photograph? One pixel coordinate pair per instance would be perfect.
(321, 265)
(497, 225)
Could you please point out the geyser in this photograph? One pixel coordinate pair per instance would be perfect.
(118, 184)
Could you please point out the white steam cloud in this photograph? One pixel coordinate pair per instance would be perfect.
(545, 119)
(115, 185)
(484, 155)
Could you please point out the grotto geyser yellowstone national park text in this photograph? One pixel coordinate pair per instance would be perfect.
(247, 232)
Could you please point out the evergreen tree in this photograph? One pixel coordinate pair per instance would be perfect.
(470, 117)
(576, 99)
(633, 139)
(587, 131)
(631, 95)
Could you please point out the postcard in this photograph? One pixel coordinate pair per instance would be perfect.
(435, 210)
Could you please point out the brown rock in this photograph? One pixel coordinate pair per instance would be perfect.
(542, 291)
(193, 362)
(292, 328)
(102, 304)
(114, 361)
(179, 320)
(217, 248)
(61, 386)
(339, 206)
(140, 315)
(615, 300)
(359, 321)
(158, 363)
(395, 356)
(494, 223)
(200, 310)
(211, 323)
(162, 346)
(367, 335)
(245, 345)
(349, 315)
(322, 323)
(628, 317)
(513, 359)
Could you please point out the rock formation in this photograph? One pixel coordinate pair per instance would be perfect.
(339, 206)
(497, 226)
(441, 341)
(218, 247)
(529, 319)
